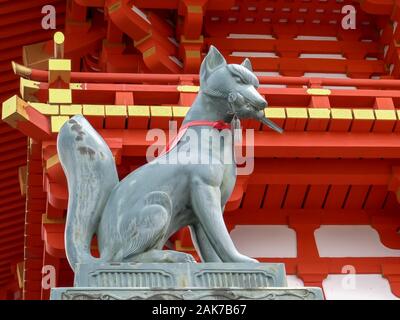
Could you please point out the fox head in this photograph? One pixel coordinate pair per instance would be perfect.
(236, 84)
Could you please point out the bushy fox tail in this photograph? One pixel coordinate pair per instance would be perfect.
(91, 175)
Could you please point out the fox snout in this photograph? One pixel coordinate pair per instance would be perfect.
(260, 105)
(255, 99)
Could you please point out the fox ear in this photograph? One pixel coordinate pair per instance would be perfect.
(247, 64)
(213, 60)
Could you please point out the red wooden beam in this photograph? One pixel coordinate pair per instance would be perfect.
(138, 78)
(229, 45)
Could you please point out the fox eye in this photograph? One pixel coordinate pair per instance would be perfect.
(238, 79)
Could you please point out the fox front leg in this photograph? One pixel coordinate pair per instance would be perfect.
(206, 204)
(202, 245)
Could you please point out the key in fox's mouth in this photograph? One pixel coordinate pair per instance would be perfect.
(256, 111)
(260, 116)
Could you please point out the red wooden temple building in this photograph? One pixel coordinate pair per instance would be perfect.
(323, 197)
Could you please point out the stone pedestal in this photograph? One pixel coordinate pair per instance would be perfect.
(183, 281)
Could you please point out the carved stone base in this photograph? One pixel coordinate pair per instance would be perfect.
(183, 281)
(186, 294)
(181, 275)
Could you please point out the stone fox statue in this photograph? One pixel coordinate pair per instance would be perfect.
(134, 218)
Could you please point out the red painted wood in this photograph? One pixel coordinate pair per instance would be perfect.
(289, 185)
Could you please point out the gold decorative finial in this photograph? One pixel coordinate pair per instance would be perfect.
(59, 45)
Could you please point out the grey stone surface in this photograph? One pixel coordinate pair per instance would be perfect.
(186, 294)
(181, 275)
(134, 218)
